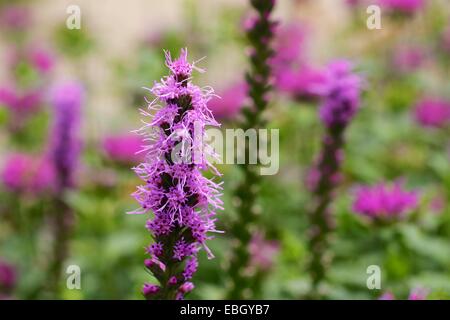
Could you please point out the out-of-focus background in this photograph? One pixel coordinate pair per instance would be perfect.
(400, 134)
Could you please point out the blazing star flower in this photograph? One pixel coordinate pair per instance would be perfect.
(183, 202)
(408, 59)
(263, 252)
(8, 277)
(123, 148)
(66, 99)
(25, 173)
(342, 94)
(418, 294)
(433, 112)
(230, 101)
(384, 202)
(407, 7)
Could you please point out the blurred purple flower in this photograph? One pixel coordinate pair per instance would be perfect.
(433, 112)
(66, 99)
(446, 39)
(230, 102)
(123, 148)
(341, 92)
(263, 252)
(407, 7)
(8, 277)
(385, 202)
(408, 59)
(415, 294)
(28, 174)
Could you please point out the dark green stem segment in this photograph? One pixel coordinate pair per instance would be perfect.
(259, 35)
(321, 221)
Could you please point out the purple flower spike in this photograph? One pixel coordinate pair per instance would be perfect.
(433, 112)
(183, 202)
(65, 146)
(385, 203)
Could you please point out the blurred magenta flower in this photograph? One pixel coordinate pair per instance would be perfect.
(415, 294)
(123, 148)
(42, 60)
(305, 83)
(26, 173)
(407, 7)
(418, 294)
(289, 46)
(182, 200)
(408, 59)
(8, 277)
(66, 99)
(387, 296)
(230, 101)
(263, 252)
(15, 17)
(385, 202)
(433, 112)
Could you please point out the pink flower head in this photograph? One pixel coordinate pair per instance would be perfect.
(289, 45)
(408, 59)
(66, 99)
(123, 148)
(341, 92)
(28, 174)
(230, 101)
(8, 276)
(433, 112)
(385, 202)
(15, 17)
(263, 252)
(407, 7)
(304, 83)
(41, 59)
